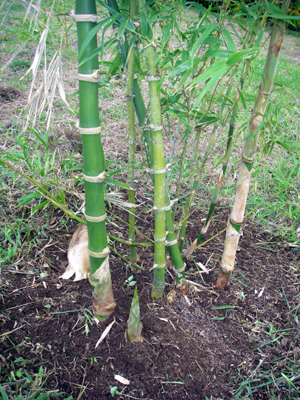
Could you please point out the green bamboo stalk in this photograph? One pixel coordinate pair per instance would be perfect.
(158, 167)
(242, 188)
(132, 141)
(89, 127)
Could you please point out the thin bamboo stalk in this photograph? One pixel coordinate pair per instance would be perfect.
(89, 123)
(159, 167)
(132, 140)
(242, 188)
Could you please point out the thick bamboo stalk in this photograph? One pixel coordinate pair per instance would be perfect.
(242, 187)
(89, 127)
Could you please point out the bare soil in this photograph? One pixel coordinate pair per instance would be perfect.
(200, 346)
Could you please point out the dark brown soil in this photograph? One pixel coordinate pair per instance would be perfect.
(9, 94)
(201, 346)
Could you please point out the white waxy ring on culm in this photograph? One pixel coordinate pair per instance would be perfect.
(171, 243)
(159, 240)
(104, 253)
(99, 218)
(152, 78)
(158, 266)
(93, 77)
(90, 131)
(94, 179)
(86, 18)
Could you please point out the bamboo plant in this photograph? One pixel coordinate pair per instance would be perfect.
(236, 218)
(159, 167)
(131, 141)
(134, 326)
(89, 128)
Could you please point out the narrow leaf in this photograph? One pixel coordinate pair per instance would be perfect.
(229, 41)
(210, 84)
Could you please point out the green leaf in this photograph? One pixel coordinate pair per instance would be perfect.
(122, 27)
(176, 113)
(145, 27)
(239, 55)
(92, 33)
(243, 99)
(208, 73)
(28, 198)
(237, 227)
(203, 36)
(118, 183)
(285, 146)
(41, 205)
(180, 68)
(165, 35)
(210, 84)
(217, 53)
(228, 40)
(259, 37)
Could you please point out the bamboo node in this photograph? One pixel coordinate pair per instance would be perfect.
(90, 131)
(93, 77)
(171, 243)
(155, 128)
(158, 266)
(155, 171)
(99, 218)
(132, 142)
(135, 76)
(226, 268)
(84, 17)
(159, 240)
(94, 179)
(165, 208)
(100, 254)
(152, 78)
(179, 270)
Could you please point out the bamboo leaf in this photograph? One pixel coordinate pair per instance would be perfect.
(118, 183)
(165, 35)
(181, 118)
(208, 73)
(91, 34)
(203, 36)
(28, 198)
(228, 40)
(210, 84)
(180, 68)
(259, 37)
(216, 52)
(145, 27)
(122, 27)
(243, 100)
(239, 55)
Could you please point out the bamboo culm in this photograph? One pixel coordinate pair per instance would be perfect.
(243, 182)
(89, 127)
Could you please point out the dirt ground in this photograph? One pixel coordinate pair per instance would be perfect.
(201, 346)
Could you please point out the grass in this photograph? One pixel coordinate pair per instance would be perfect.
(27, 385)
